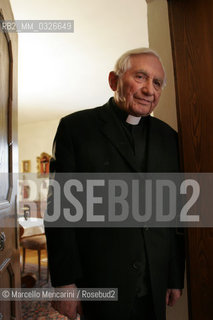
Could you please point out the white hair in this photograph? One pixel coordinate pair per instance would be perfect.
(124, 63)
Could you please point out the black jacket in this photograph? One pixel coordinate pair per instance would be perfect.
(93, 141)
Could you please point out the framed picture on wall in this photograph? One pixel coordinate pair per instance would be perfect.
(43, 163)
(26, 166)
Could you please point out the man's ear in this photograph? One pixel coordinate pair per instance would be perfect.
(113, 80)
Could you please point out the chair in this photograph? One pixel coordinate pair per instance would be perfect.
(37, 242)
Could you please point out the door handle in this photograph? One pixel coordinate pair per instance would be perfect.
(2, 245)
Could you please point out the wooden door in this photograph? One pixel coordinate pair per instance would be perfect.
(191, 24)
(9, 247)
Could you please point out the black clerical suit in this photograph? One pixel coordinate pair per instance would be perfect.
(95, 140)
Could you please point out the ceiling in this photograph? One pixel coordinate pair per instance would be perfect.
(63, 72)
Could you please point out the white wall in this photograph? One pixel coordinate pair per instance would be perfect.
(35, 138)
(62, 73)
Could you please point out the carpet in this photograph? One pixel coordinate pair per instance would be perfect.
(33, 269)
(40, 310)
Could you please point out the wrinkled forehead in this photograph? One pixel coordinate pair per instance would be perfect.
(147, 62)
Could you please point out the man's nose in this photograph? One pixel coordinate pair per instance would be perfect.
(147, 87)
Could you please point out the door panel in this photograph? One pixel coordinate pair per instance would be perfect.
(4, 94)
(9, 250)
(191, 24)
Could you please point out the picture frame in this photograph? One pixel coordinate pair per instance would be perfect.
(43, 164)
(26, 166)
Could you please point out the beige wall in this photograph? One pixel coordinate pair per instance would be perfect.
(159, 40)
(35, 138)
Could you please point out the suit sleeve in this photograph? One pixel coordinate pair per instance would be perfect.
(63, 254)
(177, 260)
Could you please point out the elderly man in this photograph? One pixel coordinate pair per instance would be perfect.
(146, 265)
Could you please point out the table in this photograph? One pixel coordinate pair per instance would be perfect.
(31, 226)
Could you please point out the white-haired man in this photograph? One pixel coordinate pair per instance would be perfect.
(146, 265)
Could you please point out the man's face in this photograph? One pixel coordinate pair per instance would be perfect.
(138, 90)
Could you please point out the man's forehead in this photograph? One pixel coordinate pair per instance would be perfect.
(146, 63)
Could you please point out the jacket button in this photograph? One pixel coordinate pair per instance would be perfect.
(135, 266)
(146, 228)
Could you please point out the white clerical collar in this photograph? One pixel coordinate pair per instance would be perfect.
(133, 120)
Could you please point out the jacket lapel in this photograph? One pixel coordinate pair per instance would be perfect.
(111, 128)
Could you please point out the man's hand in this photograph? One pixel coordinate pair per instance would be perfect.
(172, 295)
(68, 308)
